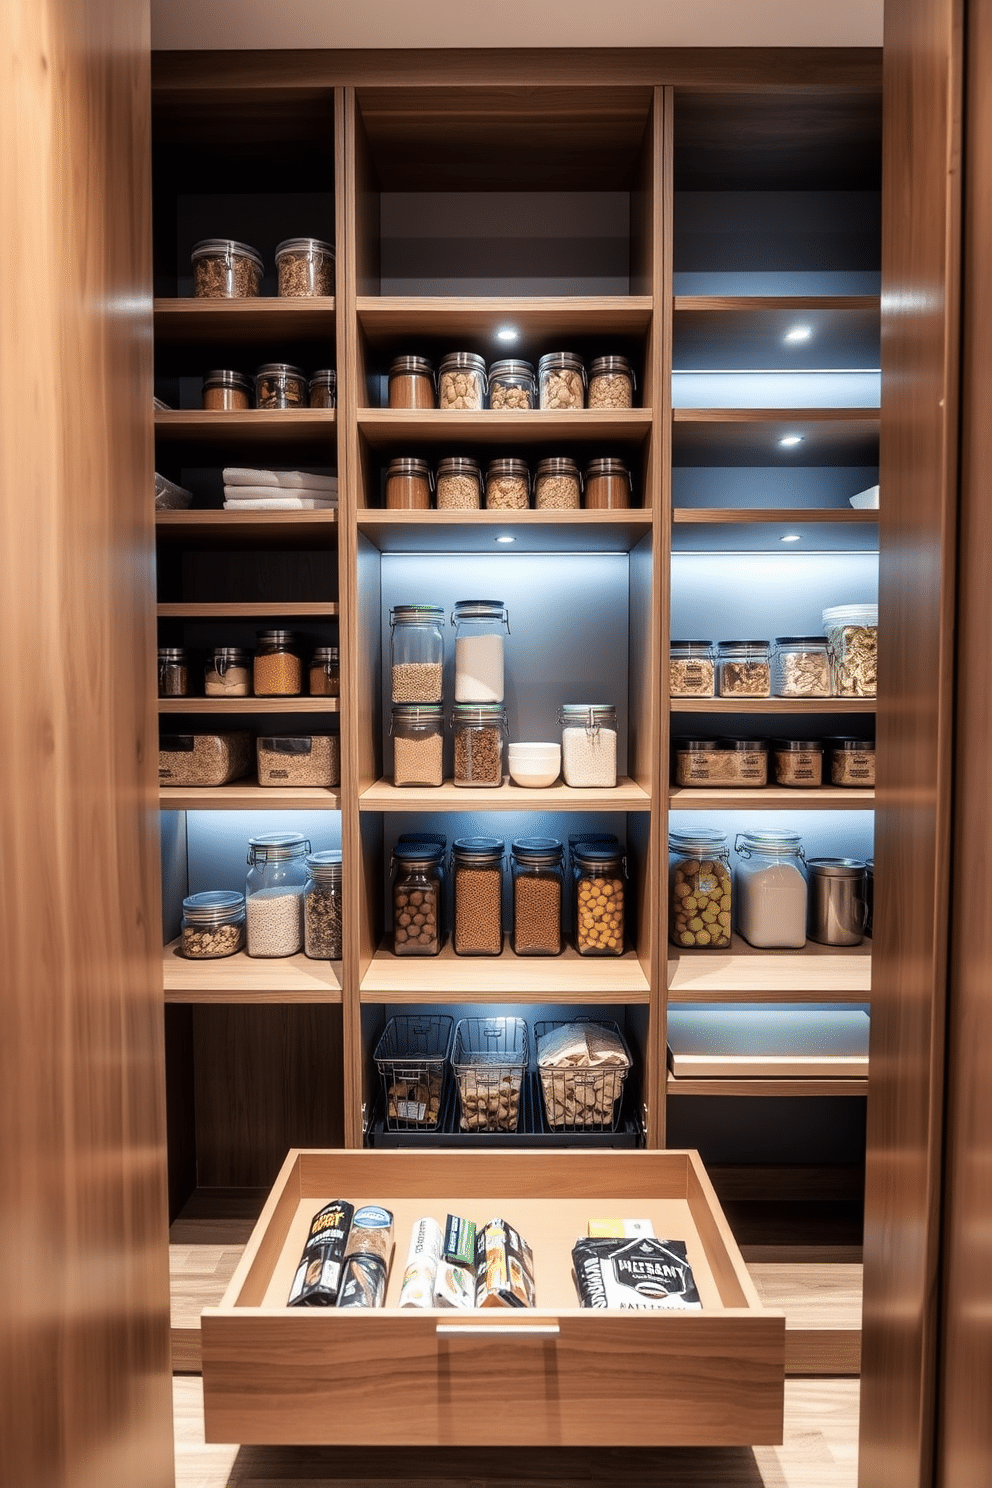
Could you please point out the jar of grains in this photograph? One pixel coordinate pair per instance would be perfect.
(599, 873)
(852, 762)
(213, 924)
(588, 744)
(324, 388)
(227, 391)
(537, 873)
(562, 379)
(278, 385)
(730, 762)
(699, 889)
(277, 872)
(225, 270)
(801, 666)
(797, 762)
(477, 882)
(459, 484)
(173, 672)
(691, 672)
(770, 891)
(557, 485)
(418, 744)
(305, 267)
(611, 382)
(411, 383)
(512, 384)
(409, 484)
(743, 669)
(507, 485)
(417, 653)
(278, 669)
(608, 485)
(479, 626)
(417, 900)
(227, 673)
(325, 672)
(461, 381)
(479, 729)
(322, 906)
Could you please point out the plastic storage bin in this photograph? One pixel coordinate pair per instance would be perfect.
(412, 1059)
(203, 759)
(299, 759)
(489, 1057)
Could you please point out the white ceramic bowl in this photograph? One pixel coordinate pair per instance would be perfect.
(865, 500)
(534, 765)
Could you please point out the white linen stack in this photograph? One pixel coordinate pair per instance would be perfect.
(278, 490)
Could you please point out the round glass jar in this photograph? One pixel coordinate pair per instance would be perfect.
(228, 392)
(691, 671)
(479, 625)
(611, 382)
(608, 485)
(324, 388)
(507, 485)
(512, 384)
(477, 886)
(537, 878)
(479, 730)
(325, 674)
(279, 385)
(838, 910)
(213, 925)
(224, 269)
(588, 745)
(173, 672)
(461, 381)
(277, 872)
(557, 485)
(700, 897)
(409, 484)
(801, 666)
(416, 644)
(743, 669)
(322, 906)
(599, 880)
(411, 383)
(278, 667)
(738, 763)
(770, 889)
(417, 898)
(305, 267)
(852, 762)
(561, 376)
(459, 484)
(418, 744)
(227, 673)
(797, 763)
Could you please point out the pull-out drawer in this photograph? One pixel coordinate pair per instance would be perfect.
(555, 1374)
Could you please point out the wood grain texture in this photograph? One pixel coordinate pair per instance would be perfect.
(239, 321)
(624, 796)
(250, 979)
(247, 795)
(450, 978)
(537, 318)
(770, 798)
(387, 428)
(816, 968)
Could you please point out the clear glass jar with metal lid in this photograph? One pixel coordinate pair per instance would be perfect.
(608, 485)
(599, 882)
(561, 377)
(852, 762)
(477, 885)
(416, 645)
(409, 483)
(479, 625)
(838, 911)
(691, 670)
(797, 763)
(227, 673)
(537, 876)
(611, 382)
(324, 388)
(743, 669)
(801, 666)
(322, 906)
(305, 267)
(700, 898)
(279, 385)
(461, 381)
(459, 484)
(213, 924)
(224, 269)
(512, 384)
(418, 744)
(411, 383)
(557, 484)
(418, 914)
(479, 730)
(278, 667)
(588, 744)
(507, 485)
(277, 872)
(227, 392)
(737, 763)
(325, 672)
(770, 889)
(173, 672)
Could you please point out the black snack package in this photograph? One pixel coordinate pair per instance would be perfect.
(635, 1275)
(364, 1282)
(318, 1276)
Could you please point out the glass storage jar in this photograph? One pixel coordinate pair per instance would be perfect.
(557, 485)
(479, 626)
(588, 744)
(411, 383)
(561, 377)
(691, 672)
(409, 484)
(479, 730)
(611, 382)
(227, 673)
(285, 760)
(418, 744)
(418, 915)
(305, 267)
(213, 924)
(743, 669)
(459, 484)
(325, 672)
(838, 910)
(727, 762)
(507, 485)
(322, 906)
(416, 645)
(797, 762)
(537, 876)
(227, 391)
(277, 872)
(599, 876)
(461, 381)
(173, 672)
(477, 883)
(700, 895)
(279, 385)
(801, 666)
(608, 485)
(278, 668)
(852, 762)
(770, 889)
(225, 270)
(852, 636)
(512, 384)
(324, 388)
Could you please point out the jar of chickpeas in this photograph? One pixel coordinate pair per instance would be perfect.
(699, 890)
(599, 880)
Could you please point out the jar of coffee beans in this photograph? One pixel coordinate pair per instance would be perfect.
(417, 901)
(536, 866)
(477, 879)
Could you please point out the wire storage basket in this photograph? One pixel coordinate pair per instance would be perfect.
(412, 1056)
(490, 1062)
(582, 1067)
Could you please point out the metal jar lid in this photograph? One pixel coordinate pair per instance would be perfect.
(744, 746)
(607, 466)
(703, 841)
(463, 361)
(561, 361)
(837, 867)
(228, 247)
(223, 377)
(603, 366)
(589, 714)
(558, 465)
(854, 746)
(597, 854)
(171, 653)
(459, 465)
(280, 369)
(547, 850)
(815, 643)
(229, 656)
(325, 866)
(478, 848)
(418, 854)
(277, 847)
(325, 653)
(410, 366)
(757, 646)
(287, 638)
(419, 712)
(413, 614)
(507, 466)
(689, 746)
(478, 713)
(326, 377)
(407, 465)
(304, 245)
(798, 746)
(511, 367)
(769, 842)
(478, 609)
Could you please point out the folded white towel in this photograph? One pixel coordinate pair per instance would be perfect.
(283, 503)
(263, 493)
(236, 475)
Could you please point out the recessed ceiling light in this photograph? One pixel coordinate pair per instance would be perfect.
(791, 537)
(799, 333)
(507, 333)
(788, 440)
(506, 539)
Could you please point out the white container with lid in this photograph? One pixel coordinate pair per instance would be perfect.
(771, 889)
(479, 626)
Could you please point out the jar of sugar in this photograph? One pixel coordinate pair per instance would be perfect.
(479, 625)
(771, 889)
(588, 744)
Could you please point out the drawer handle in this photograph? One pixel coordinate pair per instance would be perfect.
(498, 1330)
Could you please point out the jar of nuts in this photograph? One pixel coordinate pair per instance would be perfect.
(409, 483)
(507, 485)
(691, 672)
(278, 668)
(305, 267)
(608, 485)
(417, 901)
(479, 729)
(562, 379)
(227, 391)
(462, 381)
(213, 924)
(278, 385)
(611, 382)
(417, 652)
(743, 669)
(512, 384)
(411, 383)
(459, 484)
(599, 873)
(699, 890)
(477, 881)
(536, 867)
(225, 270)
(324, 388)
(557, 485)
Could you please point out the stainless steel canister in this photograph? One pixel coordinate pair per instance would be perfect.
(837, 908)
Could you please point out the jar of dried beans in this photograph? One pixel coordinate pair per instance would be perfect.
(588, 744)
(227, 391)
(599, 873)
(305, 267)
(507, 485)
(537, 874)
(477, 885)
(417, 653)
(699, 890)
(461, 381)
(743, 669)
(512, 384)
(418, 744)
(411, 383)
(608, 485)
(479, 730)
(801, 666)
(324, 388)
(562, 379)
(213, 924)
(691, 672)
(611, 382)
(409, 484)
(278, 385)
(459, 484)
(322, 906)
(417, 899)
(278, 669)
(557, 485)
(225, 270)
(277, 872)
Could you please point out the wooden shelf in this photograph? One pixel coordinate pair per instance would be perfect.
(253, 426)
(820, 706)
(244, 320)
(746, 516)
(816, 973)
(248, 610)
(749, 333)
(250, 979)
(741, 530)
(775, 1087)
(770, 798)
(532, 531)
(749, 436)
(218, 528)
(384, 796)
(479, 317)
(749, 304)
(249, 705)
(248, 795)
(566, 978)
(384, 428)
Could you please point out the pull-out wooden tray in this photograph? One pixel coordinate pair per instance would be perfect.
(557, 1374)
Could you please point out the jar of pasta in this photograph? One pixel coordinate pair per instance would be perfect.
(224, 269)
(699, 889)
(507, 485)
(743, 669)
(305, 267)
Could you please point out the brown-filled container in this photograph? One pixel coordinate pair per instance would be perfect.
(224, 269)
(324, 388)
(279, 385)
(608, 485)
(278, 670)
(203, 759)
(227, 391)
(409, 483)
(411, 383)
